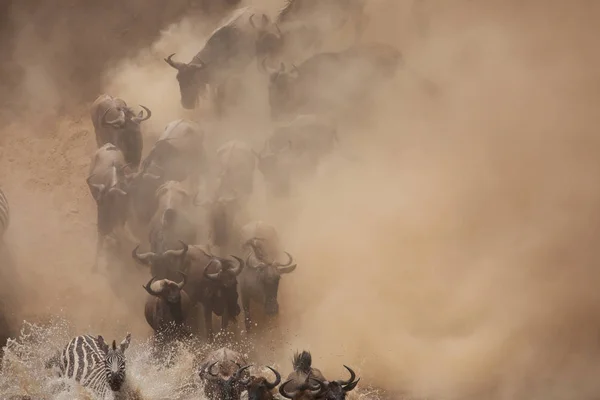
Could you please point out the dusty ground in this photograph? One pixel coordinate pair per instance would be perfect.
(458, 259)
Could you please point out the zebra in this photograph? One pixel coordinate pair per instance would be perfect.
(4, 213)
(93, 364)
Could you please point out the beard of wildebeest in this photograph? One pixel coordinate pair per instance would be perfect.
(270, 279)
(129, 140)
(112, 211)
(192, 79)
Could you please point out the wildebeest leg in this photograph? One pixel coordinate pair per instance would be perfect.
(247, 317)
(99, 245)
(208, 323)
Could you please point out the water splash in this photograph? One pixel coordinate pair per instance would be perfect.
(26, 372)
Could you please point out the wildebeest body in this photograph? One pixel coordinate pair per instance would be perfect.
(114, 122)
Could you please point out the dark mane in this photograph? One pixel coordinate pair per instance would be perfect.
(302, 361)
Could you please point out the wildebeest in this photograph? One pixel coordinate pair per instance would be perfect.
(218, 292)
(236, 163)
(328, 82)
(212, 281)
(305, 23)
(170, 228)
(4, 214)
(167, 307)
(173, 220)
(307, 382)
(222, 372)
(114, 122)
(294, 149)
(106, 182)
(234, 184)
(244, 36)
(259, 282)
(179, 153)
(259, 388)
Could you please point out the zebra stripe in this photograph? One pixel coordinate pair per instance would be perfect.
(4, 213)
(94, 365)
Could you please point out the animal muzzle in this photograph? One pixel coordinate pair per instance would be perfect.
(115, 381)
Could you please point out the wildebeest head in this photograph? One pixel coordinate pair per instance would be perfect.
(269, 39)
(259, 388)
(281, 84)
(166, 289)
(227, 271)
(310, 389)
(269, 274)
(111, 199)
(114, 361)
(127, 127)
(162, 265)
(337, 390)
(223, 387)
(225, 279)
(192, 78)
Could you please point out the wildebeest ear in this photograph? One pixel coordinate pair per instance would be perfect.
(125, 343)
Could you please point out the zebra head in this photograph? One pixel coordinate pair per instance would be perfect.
(114, 362)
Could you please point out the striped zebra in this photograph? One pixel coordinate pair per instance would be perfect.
(4, 213)
(95, 365)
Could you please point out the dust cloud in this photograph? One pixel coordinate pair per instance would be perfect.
(453, 255)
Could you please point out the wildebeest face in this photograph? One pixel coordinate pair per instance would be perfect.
(269, 275)
(230, 388)
(166, 289)
(269, 39)
(259, 388)
(192, 79)
(162, 265)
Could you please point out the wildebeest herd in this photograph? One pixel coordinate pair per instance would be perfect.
(186, 203)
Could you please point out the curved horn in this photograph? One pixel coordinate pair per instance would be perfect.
(182, 283)
(210, 370)
(145, 258)
(175, 64)
(178, 253)
(296, 70)
(140, 118)
(212, 277)
(284, 393)
(148, 287)
(240, 267)
(349, 381)
(277, 380)
(238, 374)
(252, 21)
(118, 191)
(350, 386)
(322, 387)
(290, 261)
(278, 30)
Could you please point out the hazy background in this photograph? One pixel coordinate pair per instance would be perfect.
(457, 258)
